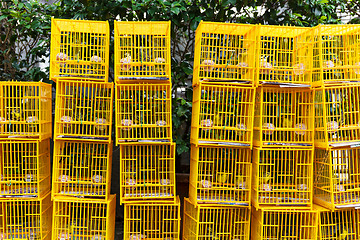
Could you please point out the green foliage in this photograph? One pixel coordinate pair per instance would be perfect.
(24, 39)
(24, 19)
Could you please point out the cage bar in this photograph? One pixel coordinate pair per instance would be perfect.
(142, 51)
(152, 221)
(215, 222)
(84, 219)
(82, 169)
(26, 218)
(220, 175)
(337, 177)
(337, 116)
(83, 111)
(143, 112)
(282, 178)
(224, 52)
(147, 172)
(271, 224)
(284, 55)
(284, 117)
(222, 115)
(336, 58)
(79, 50)
(339, 224)
(24, 110)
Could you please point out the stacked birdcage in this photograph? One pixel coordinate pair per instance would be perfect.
(337, 117)
(25, 131)
(221, 132)
(82, 154)
(143, 130)
(282, 163)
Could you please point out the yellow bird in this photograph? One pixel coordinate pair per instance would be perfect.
(217, 120)
(287, 123)
(265, 178)
(343, 235)
(16, 114)
(221, 178)
(240, 182)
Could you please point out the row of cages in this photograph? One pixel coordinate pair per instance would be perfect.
(276, 116)
(231, 222)
(91, 219)
(326, 54)
(222, 114)
(275, 178)
(80, 50)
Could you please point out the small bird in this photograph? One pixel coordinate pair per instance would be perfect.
(356, 68)
(241, 129)
(95, 59)
(265, 66)
(101, 121)
(222, 177)
(265, 179)
(269, 128)
(243, 67)
(332, 127)
(287, 123)
(16, 114)
(240, 182)
(343, 235)
(206, 184)
(125, 62)
(97, 178)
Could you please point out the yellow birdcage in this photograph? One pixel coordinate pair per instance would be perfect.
(143, 112)
(282, 177)
(338, 225)
(26, 218)
(83, 111)
(224, 52)
(79, 50)
(24, 168)
(222, 115)
(83, 219)
(82, 169)
(337, 116)
(284, 55)
(336, 54)
(337, 177)
(152, 221)
(220, 175)
(272, 224)
(147, 172)
(214, 222)
(142, 51)
(283, 117)
(25, 110)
